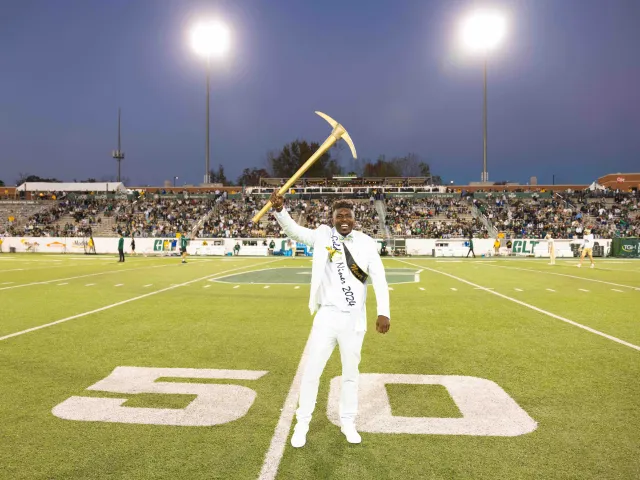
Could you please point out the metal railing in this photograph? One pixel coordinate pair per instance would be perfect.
(491, 229)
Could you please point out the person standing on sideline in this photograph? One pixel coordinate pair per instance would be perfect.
(236, 249)
(551, 246)
(496, 246)
(121, 247)
(183, 247)
(343, 259)
(471, 245)
(92, 245)
(133, 245)
(587, 247)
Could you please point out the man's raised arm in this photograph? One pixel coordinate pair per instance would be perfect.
(290, 227)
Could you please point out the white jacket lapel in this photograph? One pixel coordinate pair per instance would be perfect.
(320, 255)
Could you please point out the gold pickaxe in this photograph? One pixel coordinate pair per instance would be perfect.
(337, 133)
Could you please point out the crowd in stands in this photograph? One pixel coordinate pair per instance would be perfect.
(607, 213)
(157, 216)
(232, 219)
(43, 219)
(432, 218)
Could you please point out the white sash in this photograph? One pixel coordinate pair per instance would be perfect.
(349, 292)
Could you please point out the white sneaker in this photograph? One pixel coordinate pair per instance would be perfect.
(299, 437)
(351, 433)
(579, 265)
(592, 266)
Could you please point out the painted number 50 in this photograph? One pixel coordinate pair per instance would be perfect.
(486, 409)
(215, 404)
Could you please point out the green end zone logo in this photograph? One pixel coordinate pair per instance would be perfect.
(524, 246)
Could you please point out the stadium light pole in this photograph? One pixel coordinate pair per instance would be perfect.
(209, 39)
(118, 154)
(482, 32)
(174, 181)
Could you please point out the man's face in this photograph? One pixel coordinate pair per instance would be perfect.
(343, 221)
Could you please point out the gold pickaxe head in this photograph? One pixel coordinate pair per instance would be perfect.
(339, 132)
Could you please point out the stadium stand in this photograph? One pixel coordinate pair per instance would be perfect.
(607, 213)
(439, 213)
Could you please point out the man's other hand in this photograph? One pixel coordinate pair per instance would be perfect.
(383, 324)
(277, 201)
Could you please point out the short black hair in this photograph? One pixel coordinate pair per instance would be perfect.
(342, 204)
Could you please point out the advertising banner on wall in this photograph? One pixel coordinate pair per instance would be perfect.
(529, 247)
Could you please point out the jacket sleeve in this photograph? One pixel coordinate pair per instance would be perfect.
(293, 230)
(379, 281)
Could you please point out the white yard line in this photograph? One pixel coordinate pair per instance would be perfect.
(120, 284)
(120, 270)
(539, 310)
(583, 290)
(89, 284)
(613, 289)
(518, 290)
(279, 439)
(237, 286)
(544, 272)
(296, 287)
(16, 270)
(618, 269)
(149, 285)
(550, 289)
(207, 286)
(266, 286)
(421, 288)
(454, 289)
(139, 297)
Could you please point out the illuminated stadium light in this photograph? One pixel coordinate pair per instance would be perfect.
(210, 39)
(483, 30)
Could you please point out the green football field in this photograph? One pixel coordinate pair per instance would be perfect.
(492, 369)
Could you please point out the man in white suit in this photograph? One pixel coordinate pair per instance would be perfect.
(343, 259)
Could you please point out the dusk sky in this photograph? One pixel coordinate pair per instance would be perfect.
(563, 88)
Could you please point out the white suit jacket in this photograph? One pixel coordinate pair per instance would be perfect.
(363, 249)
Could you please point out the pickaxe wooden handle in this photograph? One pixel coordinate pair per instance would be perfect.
(337, 133)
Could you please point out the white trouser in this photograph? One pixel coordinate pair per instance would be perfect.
(331, 326)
